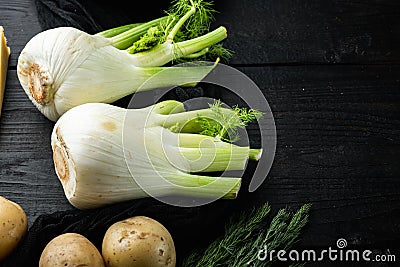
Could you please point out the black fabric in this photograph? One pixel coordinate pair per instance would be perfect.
(191, 228)
(93, 16)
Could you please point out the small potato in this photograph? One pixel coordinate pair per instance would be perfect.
(13, 226)
(138, 241)
(70, 249)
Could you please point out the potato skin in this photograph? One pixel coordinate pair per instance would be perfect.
(13, 226)
(70, 249)
(138, 241)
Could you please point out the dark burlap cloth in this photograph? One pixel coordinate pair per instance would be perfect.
(191, 228)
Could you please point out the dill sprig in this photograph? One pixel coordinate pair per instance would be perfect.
(249, 232)
(224, 125)
(218, 50)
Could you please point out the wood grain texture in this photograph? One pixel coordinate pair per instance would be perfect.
(313, 31)
(20, 22)
(27, 174)
(337, 148)
(338, 125)
(271, 32)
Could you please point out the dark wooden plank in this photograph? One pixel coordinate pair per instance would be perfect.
(293, 31)
(20, 22)
(272, 32)
(27, 174)
(337, 129)
(338, 148)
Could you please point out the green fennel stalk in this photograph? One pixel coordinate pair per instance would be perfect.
(184, 23)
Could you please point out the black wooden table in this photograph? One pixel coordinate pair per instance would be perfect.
(331, 73)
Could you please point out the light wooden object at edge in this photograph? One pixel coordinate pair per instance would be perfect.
(4, 56)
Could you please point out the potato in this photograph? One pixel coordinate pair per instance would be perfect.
(138, 241)
(13, 226)
(70, 249)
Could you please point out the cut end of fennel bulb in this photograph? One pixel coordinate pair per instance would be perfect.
(39, 84)
(105, 154)
(64, 169)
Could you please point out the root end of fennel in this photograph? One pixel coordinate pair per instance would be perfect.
(64, 168)
(39, 84)
(61, 164)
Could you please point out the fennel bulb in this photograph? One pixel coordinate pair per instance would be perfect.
(103, 157)
(65, 67)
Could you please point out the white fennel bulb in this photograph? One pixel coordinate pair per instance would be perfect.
(102, 156)
(65, 67)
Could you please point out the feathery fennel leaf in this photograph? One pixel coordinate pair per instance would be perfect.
(249, 232)
(225, 125)
(199, 22)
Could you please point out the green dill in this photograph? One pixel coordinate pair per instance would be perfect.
(224, 125)
(218, 50)
(249, 232)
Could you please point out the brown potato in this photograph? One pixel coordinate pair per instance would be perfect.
(13, 226)
(70, 249)
(138, 241)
